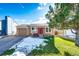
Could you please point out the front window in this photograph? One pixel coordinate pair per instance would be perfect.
(49, 29)
(46, 29)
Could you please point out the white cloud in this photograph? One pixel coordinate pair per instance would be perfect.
(42, 6)
(22, 21)
(41, 20)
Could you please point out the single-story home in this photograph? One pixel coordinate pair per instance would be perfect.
(37, 27)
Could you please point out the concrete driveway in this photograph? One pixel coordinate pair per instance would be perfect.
(7, 42)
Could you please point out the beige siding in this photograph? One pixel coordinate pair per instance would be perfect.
(23, 31)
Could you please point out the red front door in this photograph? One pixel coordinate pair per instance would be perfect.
(40, 30)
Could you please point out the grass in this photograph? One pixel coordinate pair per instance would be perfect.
(8, 52)
(66, 47)
(58, 47)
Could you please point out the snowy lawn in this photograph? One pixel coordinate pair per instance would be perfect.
(26, 46)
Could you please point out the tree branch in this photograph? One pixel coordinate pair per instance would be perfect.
(73, 31)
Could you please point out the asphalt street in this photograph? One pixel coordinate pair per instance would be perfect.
(8, 41)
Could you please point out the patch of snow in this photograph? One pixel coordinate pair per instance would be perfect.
(1, 37)
(18, 53)
(44, 44)
(27, 45)
(69, 34)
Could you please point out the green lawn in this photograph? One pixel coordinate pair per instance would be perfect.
(66, 47)
(58, 47)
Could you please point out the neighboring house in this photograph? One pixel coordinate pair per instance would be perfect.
(69, 34)
(11, 26)
(7, 26)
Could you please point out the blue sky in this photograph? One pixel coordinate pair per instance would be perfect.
(23, 12)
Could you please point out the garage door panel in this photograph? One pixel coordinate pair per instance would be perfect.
(22, 31)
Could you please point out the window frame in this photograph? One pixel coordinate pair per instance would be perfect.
(47, 30)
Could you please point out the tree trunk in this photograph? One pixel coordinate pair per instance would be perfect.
(77, 38)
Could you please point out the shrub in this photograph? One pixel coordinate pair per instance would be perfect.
(8, 52)
(48, 36)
